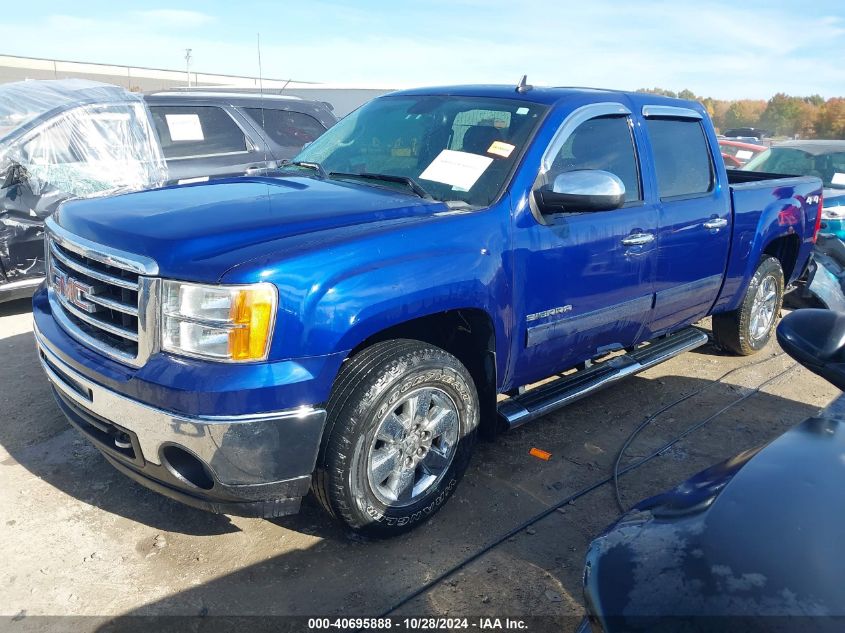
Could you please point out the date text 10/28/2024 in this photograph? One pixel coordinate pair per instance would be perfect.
(418, 624)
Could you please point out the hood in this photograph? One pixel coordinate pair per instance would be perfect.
(760, 534)
(195, 232)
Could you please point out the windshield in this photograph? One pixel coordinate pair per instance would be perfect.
(829, 166)
(455, 148)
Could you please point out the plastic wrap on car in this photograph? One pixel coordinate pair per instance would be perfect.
(66, 139)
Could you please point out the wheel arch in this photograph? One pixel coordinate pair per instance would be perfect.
(468, 334)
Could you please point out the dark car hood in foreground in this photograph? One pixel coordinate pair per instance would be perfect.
(762, 534)
(197, 231)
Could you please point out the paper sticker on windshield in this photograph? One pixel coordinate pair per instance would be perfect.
(838, 179)
(744, 154)
(501, 149)
(184, 127)
(459, 169)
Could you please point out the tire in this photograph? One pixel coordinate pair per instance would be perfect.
(741, 331)
(362, 474)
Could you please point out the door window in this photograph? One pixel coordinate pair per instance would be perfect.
(188, 131)
(681, 157)
(605, 143)
(286, 128)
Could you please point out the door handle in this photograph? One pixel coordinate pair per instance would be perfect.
(716, 223)
(638, 239)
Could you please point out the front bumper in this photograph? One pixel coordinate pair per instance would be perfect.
(19, 289)
(249, 465)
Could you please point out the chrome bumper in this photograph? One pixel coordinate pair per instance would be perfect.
(239, 450)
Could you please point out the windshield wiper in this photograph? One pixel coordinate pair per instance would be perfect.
(410, 183)
(317, 167)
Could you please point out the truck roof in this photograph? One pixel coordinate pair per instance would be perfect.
(540, 94)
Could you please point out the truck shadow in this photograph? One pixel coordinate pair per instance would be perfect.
(34, 434)
(18, 306)
(331, 573)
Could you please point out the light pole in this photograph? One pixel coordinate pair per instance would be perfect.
(188, 65)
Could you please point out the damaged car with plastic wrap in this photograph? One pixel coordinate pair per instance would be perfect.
(59, 140)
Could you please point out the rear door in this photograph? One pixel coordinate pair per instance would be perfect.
(205, 141)
(286, 131)
(694, 217)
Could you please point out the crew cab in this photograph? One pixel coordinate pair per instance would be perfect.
(348, 325)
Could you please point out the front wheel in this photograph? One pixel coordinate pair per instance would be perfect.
(401, 425)
(748, 329)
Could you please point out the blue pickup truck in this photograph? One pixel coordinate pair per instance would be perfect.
(353, 323)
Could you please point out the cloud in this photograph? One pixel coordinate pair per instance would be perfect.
(716, 49)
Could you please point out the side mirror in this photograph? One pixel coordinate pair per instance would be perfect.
(581, 190)
(816, 339)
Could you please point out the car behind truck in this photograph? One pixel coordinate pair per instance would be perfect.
(347, 325)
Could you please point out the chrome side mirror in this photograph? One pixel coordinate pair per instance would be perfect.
(581, 190)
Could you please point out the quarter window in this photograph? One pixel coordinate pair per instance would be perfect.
(197, 131)
(604, 143)
(681, 157)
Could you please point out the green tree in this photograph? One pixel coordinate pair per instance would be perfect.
(744, 113)
(831, 121)
(782, 114)
(658, 91)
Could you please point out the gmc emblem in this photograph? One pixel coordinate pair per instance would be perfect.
(73, 290)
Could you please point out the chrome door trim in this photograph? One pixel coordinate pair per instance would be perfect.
(716, 223)
(638, 239)
(571, 122)
(670, 111)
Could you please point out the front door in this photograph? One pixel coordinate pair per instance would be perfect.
(589, 276)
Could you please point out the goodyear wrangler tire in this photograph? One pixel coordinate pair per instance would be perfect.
(402, 422)
(747, 330)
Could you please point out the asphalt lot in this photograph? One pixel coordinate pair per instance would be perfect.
(80, 539)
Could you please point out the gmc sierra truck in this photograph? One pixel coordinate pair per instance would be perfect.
(351, 324)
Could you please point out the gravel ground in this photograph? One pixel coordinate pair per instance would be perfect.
(80, 539)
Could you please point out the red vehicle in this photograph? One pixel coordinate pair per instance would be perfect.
(736, 153)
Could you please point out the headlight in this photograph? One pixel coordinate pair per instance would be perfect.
(833, 213)
(230, 323)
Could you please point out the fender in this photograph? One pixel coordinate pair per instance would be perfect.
(763, 215)
(334, 298)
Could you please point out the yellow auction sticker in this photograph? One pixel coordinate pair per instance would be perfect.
(501, 149)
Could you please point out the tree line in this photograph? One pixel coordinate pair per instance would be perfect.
(782, 115)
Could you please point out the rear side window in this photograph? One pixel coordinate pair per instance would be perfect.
(188, 131)
(681, 157)
(286, 128)
(604, 143)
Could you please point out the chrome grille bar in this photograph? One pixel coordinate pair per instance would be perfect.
(107, 327)
(94, 274)
(113, 305)
(105, 298)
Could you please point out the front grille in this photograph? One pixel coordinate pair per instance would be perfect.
(99, 297)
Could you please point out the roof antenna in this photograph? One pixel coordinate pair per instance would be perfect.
(261, 91)
(523, 85)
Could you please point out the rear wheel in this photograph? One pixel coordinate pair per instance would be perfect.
(401, 425)
(748, 329)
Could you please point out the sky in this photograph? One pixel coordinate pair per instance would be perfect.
(745, 49)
